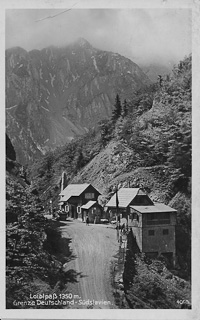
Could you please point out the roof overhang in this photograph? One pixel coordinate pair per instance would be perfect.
(115, 207)
(88, 205)
(156, 208)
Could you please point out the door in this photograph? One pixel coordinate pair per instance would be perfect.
(72, 211)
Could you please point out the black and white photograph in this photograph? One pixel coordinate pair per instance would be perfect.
(98, 122)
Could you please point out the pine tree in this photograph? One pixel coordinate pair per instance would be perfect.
(105, 127)
(160, 80)
(79, 161)
(117, 109)
(124, 109)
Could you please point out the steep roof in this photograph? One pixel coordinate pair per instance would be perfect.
(156, 208)
(125, 196)
(74, 190)
(88, 205)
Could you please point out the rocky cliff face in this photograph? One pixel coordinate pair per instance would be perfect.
(55, 94)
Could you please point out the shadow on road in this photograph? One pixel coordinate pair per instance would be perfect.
(69, 276)
(62, 251)
(72, 276)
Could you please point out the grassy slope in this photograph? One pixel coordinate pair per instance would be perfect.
(109, 168)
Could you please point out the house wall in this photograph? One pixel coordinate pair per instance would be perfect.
(135, 222)
(72, 210)
(141, 200)
(137, 231)
(95, 211)
(124, 212)
(84, 196)
(158, 242)
(172, 216)
(135, 219)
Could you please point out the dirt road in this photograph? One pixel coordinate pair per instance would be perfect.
(93, 247)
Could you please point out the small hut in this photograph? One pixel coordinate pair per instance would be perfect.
(93, 210)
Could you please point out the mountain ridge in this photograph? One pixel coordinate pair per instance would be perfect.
(57, 93)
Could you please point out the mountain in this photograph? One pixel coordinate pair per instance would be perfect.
(55, 94)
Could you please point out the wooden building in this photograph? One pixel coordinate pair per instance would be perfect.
(93, 210)
(154, 229)
(153, 224)
(125, 198)
(76, 195)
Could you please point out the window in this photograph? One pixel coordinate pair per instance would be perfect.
(158, 218)
(67, 208)
(89, 195)
(165, 231)
(151, 232)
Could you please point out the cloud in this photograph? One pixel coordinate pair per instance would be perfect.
(143, 35)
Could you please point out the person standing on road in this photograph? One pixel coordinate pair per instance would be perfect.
(87, 220)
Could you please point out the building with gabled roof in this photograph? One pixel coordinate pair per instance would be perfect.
(73, 190)
(127, 197)
(153, 224)
(76, 195)
(93, 210)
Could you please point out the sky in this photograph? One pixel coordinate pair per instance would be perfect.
(143, 35)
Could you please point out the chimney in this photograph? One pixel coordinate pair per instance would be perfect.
(63, 181)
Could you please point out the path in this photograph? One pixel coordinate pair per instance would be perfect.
(94, 247)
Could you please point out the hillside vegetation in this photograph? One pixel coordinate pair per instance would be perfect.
(151, 133)
(35, 251)
(146, 143)
(149, 284)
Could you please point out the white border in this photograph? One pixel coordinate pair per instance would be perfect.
(118, 313)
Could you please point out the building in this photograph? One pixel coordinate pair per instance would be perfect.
(153, 224)
(125, 198)
(76, 195)
(154, 229)
(93, 210)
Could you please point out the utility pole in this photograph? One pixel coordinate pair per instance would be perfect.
(117, 205)
(51, 208)
(117, 213)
